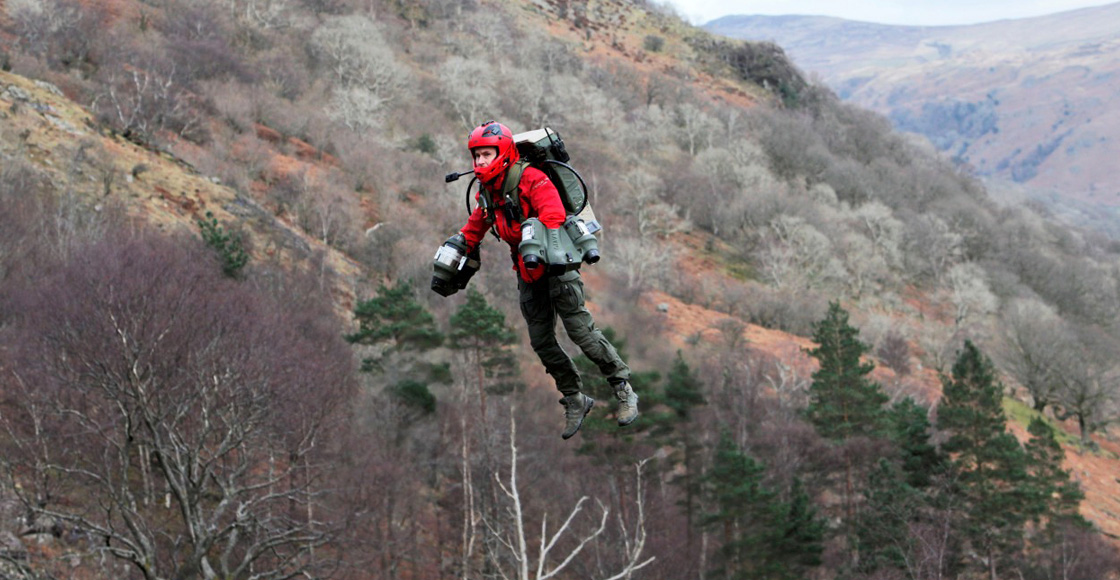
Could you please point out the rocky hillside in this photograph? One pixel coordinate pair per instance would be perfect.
(740, 201)
(1030, 101)
(99, 167)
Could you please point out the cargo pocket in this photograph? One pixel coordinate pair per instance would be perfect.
(533, 309)
(567, 298)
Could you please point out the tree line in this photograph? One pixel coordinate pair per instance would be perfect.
(164, 419)
(404, 468)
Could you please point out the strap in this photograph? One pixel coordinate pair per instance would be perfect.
(510, 189)
(510, 192)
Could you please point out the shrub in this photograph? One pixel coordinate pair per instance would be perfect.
(894, 352)
(229, 248)
(414, 394)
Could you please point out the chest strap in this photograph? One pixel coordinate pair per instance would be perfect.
(511, 194)
(511, 190)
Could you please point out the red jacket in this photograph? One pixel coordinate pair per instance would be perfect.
(539, 199)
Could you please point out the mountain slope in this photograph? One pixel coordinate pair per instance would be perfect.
(63, 141)
(1033, 101)
(731, 221)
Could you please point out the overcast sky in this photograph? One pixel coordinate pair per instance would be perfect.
(911, 12)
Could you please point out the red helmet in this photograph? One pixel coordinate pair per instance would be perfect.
(494, 134)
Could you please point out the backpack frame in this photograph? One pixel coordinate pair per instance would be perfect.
(542, 149)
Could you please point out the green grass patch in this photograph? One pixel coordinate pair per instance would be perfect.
(1022, 414)
(727, 260)
(741, 271)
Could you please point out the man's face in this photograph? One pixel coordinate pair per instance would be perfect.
(484, 156)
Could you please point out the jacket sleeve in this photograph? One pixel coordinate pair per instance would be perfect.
(476, 227)
(542, 196)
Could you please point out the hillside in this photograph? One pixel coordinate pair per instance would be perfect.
(740, 201)
(1029, 101)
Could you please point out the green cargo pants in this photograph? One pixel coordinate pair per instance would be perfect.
(544, 300)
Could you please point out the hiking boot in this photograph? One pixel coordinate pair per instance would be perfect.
(576, 407)
(627, 403)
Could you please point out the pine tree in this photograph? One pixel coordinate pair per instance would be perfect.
(480, 331)
(761, 536)
(910, 431)
(683, 392)
(801, 541)
(897, 491)
(988, 465)
(395, 317)
(403, 328)
(1058, 495)
(843, 401)
(230, 249)
(745, 514)
(882, 535)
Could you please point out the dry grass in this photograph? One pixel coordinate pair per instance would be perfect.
(154, 186)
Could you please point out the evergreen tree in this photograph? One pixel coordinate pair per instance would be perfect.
(230, 249)
(745, 514)
(910, 431)
(882, 535)
(403, 328)
(897, 491)
(1059, 496)
(414, 395)
(601, 436)
(1061, 524)
(683, 392)
(480, 331)
(395, 317)
(760, 536)
(843, 401)
(988, 465)
(801, 540)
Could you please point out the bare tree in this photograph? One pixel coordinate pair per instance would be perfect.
(147, 96)
(176, 417)
(532, 93)
(359, 57)
(798, 256)
(969, 292)
(642, 262)
(263, 14)
(469, 86)
(696, 127)
(933, 246)
(877, 221)
(22, 215)
(866, 269)
(517, 541)
(327, 210)
(63, 32)
(1030, 350)
(927, 550)
(1090, 380)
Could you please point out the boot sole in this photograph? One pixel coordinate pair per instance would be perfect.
(586, 410)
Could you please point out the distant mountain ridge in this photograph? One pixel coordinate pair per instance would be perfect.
(1034, 101)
